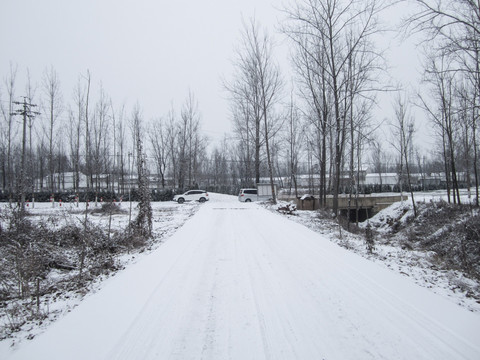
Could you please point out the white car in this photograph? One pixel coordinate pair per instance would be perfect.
(192, 195)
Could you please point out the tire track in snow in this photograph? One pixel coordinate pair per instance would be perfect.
(267, 281)
(371, 298)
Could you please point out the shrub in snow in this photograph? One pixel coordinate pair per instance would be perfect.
(109, 208)
(470, 246)
(449, 230)
(369, 238)
(23, 258)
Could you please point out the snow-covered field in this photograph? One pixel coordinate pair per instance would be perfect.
(239, 282)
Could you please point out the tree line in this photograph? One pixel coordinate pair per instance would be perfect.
(320, 123)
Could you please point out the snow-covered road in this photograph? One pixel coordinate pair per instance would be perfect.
(239, 282)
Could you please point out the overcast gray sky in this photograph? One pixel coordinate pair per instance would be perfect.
(148, 51)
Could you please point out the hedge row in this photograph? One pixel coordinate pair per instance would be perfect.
(44, 196)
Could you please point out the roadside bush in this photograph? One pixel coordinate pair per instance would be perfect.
(109, 208)
(162, 195)
(450, 230)
(106, 196)
(23, 258)
(459, 245)
(470, 246)
(131, 239)
(369, 238)
(51, 255)
(30, 251)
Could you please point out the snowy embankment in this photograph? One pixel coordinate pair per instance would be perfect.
(61, 291)
(420, 266)
(238, 282)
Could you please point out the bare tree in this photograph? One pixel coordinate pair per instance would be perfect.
(441, 112)
(8, 132)
(452, 30)
(247, 132)
(256, 90)
(294, 138)
(378, 159)
(75, 130)
(245, 103)
(42, 156)
(453, 23)
(219, 179)
(403, 132)
(87, 139)
(172, 141)
(158, 140)
(191, 144)
(334, 38)
(100, 148)
(466, 130)
(121, 148)
(52, 108)
(317, 95)
(270, 84)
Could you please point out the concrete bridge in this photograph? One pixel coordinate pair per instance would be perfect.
(368, 205)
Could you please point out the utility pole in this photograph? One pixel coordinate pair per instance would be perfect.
(26, 112)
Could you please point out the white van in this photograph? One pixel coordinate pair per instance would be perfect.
(247, 195)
